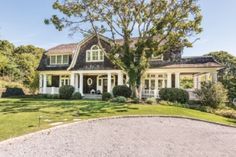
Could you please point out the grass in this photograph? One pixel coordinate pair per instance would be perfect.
(21, 116)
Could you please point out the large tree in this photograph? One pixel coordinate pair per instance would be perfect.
(227, 75)
(159, 25)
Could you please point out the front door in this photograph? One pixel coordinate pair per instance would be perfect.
(90, 84)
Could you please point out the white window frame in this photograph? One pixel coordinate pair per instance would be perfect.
(90, 54)
(62, 60)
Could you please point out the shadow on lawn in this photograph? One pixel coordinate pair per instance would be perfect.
(58, 107)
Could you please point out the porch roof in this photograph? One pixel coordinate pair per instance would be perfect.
(188, 62)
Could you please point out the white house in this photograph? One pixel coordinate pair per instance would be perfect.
(84, 66)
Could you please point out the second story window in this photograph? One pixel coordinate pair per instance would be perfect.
(59, 59)
(95, 54)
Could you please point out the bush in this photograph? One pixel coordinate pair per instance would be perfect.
(122, 90)
(11, 92)
(66, 92)
(151, 100)
(106, 96)
(77, 96)
(212, 94)
(226, 113)
(119, 99)
(174, 95)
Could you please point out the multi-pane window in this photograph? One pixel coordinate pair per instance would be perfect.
(59, 59)
(94, 54)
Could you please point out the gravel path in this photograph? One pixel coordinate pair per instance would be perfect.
(127, 137)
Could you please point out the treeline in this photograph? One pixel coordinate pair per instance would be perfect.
(18, 64)
(227, 75)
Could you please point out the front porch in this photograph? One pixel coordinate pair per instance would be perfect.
(85, 82)
(187, 79)
(97, 82)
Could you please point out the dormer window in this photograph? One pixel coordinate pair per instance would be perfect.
(95, 54)
(59, 59)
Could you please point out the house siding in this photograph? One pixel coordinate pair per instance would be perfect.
(81, 63)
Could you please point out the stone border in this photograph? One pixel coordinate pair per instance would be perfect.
(107, 118)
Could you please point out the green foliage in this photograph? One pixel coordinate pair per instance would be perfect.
(119, 99)
(106, 96)
(174, 95)
(151, 100)
(170, 20)
(212, 94)
(19, 64)
(66, 91)
(186, 83)
(226, 75)
(122, 90)
(77, 96)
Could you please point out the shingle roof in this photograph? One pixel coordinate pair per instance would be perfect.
(63, 49)
(188, 62)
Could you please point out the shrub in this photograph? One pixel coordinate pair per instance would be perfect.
(122, 90)
(151, 100)
(106, 96)
(174, 95)
(212, 94)
(119, 99)
(226, 113)
(135, 100)
(10, 92)
(77, 96)
(66, 91)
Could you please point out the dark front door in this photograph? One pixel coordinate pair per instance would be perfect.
(104, 85)
(90, 84)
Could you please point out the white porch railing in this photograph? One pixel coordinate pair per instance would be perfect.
(147, 93)
(49, 90)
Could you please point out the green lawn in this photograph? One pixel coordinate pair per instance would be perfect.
(21, 116)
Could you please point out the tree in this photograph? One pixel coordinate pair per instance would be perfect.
(29, 49)
(227, 74)
(160, 25)
(27, 60)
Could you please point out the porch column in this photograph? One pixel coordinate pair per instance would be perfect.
(109, 82)
(199, 82)
(177, 81)
(72, 79)
(207, 77)
(76, 82)
(40, 83)
(81, 77)
(195, 81)
(120, 78)
(214, 77)
(44, 84)
(169, 80)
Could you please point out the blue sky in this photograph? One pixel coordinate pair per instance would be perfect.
(22, 23)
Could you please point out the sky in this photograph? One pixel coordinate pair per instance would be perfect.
(21, 22)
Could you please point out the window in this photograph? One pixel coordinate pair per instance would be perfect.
(53, 60)
(94, 54)
(65, 59)
(65, 80)
(59, 59)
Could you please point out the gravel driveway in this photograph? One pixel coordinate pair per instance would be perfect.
(127, 137)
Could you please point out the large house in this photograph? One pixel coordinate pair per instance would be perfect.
(84, 66)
